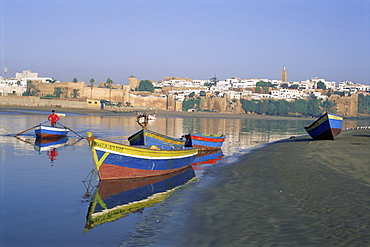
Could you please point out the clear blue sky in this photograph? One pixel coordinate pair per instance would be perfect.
(198, 39)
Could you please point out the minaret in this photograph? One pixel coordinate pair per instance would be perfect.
(284, 75)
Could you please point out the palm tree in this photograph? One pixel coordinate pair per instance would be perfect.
(35, 92)
(58, 91)
(92, 85)
(75, 93)
(109, 85)
(32, 89)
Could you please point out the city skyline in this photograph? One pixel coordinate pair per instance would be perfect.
(194, 39)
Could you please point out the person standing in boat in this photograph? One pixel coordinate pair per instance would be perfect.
(53, 118)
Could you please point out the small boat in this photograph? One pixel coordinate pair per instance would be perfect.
(148, 137)
(204, 141)
(326, 127)
(119, 161)
(152, 117)
(115, 199)
(42, 144)
(44, 131)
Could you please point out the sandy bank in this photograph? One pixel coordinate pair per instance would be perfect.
(298, 192)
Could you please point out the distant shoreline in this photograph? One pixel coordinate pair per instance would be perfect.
(160, 113)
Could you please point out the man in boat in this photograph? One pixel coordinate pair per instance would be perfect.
(53, 118)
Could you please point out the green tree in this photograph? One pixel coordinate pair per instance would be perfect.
(75, 93)
(313, 108)
(249, 105)
(364, 104)
(109, 84)
(58, 91)
(192, 103)
(202, 93)
(32, 90)
(75, 80)
(51, 80)
(328, 105)
(263, 87)
(310, 107)
(214, 80)
(91, 85)
(191, 95)
(294, 86)
(321, 85)
(146, 85)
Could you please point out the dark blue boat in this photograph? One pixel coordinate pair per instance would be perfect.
(326, 127)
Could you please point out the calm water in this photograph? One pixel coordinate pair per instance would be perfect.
(47, 198)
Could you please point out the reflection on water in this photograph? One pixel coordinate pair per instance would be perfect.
(48, 146)
(205, 159)
(114, 199)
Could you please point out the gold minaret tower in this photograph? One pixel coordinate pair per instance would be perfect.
(284, 75)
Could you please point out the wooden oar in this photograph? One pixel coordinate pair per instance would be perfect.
(29, 128)
(70, 130)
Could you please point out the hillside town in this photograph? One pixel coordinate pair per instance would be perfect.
(171, 93)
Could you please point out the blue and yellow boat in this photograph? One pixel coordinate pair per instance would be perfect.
(326, 127)
(119, 161)
(148, 137)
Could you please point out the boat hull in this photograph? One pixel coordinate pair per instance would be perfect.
(147, 137)
(326, 127)
(43, 131)
(206, 142)
(118, 161)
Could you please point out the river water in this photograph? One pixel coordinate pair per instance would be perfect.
(48, 194)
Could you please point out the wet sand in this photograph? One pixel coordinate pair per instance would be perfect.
(294, 192)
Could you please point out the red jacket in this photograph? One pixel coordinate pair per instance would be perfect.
(53, 118)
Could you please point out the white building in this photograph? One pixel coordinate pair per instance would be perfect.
(27, 75)
(11, 87)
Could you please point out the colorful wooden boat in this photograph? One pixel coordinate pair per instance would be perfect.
(148, 137)
(42, 144)
(205, 142)
(114, 199)
(326, 127)
(119, 161)
(44, 131)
